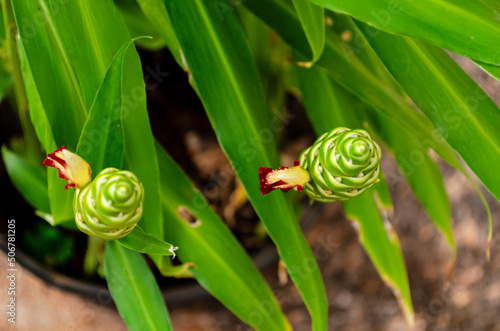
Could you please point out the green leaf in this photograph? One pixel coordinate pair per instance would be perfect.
(55, 80)
(414, 161)
(353, 42)
(134, 289)
(271, 55)
(329, 106)
(205, 241)
(418, 168)
(138, 25)
(5, 74)
(11, 66)
(36, 110)
(156, 13)
(229, 87)
(422, 173)
(140, 154)
(349, 71)
(30, 181)
(469, 28)
(492, 69)
(53, 87)
(312, 18)
(101, 141)
(139, 241)
(61, 207)
(382, 245)
(462, 112)
(90, 33)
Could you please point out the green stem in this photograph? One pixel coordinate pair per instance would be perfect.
(33, 149)
(94, 256)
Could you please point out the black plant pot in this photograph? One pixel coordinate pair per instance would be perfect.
(187, 290)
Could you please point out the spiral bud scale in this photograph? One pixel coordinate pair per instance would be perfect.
(111, 205)
(343, 163)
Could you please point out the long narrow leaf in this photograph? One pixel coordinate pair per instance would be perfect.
(48, 59)
(30, 181)
(156, 13)
(469, 28)
(418, 168)
(312, 18)
(205, 241)
(329, 107)
(91, 32)
(230, 90)
(422, 173)
(382, 245)
(134, 289)
(460, 109)
(49, 108)
(101, 141)
(350, 72)
(142, 242)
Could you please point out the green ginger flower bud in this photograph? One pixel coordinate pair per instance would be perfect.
(342, 163)
(109, 206)
(339, 166)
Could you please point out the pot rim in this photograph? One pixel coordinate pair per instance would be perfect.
(178, 294)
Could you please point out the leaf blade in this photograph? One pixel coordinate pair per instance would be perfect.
(30, 181)
(128, 276)
(156, 13)
(229, 87)
(423, 175)
(312, 18)
(213, 249)
(101, 140)
(329, 106)
(451, 104)
(382, 245)
(142, 242)
(349, 71)
(468, 28)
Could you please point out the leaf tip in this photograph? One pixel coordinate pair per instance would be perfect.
(172, 250)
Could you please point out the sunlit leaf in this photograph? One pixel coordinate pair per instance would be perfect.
(204, 240)
(142, 242)
(134, 289)
(229, 87)
(329, 106)
(312, 18)
(469, 28)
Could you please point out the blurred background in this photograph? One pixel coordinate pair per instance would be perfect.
(358, 299)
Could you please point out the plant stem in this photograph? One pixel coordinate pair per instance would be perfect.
(94, 256)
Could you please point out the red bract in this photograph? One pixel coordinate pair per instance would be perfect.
(284, 178)
(70, 166)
